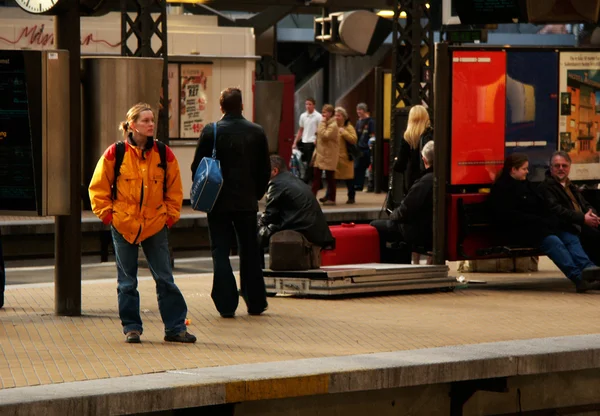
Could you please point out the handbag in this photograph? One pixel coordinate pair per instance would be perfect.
(354, 151)
(208, 181)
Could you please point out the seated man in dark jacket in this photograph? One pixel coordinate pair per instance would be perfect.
(412, 221)
(291, 205)
(565, 201)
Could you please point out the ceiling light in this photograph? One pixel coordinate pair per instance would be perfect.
(385, 13)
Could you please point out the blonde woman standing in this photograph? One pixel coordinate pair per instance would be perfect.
(147, 200)
(418, 133)
(345, 167)
(326, 154)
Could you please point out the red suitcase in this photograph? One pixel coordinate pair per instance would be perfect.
(354, 244)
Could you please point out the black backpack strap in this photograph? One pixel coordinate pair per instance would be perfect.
(162, 151)
(119, 155)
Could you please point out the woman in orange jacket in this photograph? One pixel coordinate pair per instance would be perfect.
(147, 201)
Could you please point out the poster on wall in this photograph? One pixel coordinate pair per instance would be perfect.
(478, 116)
(579, 112)
(531, 99)
(195, 80)
(173, 70)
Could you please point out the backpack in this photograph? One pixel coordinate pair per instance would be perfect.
(208, 181)
(120, 154)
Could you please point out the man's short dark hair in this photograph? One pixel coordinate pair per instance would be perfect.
(561, 153)
(311, 99)
(278, 162)
(231, 100)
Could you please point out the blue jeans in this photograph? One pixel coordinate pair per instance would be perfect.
(221, 229)
(171, 304)
(565, 250)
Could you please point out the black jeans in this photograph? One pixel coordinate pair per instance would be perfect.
(2, 275)
(221, 227)
(307, 152)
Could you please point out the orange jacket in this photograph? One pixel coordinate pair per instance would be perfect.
(140, 209)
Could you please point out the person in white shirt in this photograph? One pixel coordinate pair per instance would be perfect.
(309, 121)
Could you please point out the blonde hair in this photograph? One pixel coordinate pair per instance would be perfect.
(418, 121)
(342, 111)
(329, 108)
(133, 114)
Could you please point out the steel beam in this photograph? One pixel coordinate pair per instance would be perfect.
(144, 28)
(67, 274)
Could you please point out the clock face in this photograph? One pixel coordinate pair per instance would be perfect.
(40, 6)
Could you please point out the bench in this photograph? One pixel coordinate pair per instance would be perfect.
(478, 237)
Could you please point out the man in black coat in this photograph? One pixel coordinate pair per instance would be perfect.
(412, 221)
(576, 215)
(243, 151)
(291, 205)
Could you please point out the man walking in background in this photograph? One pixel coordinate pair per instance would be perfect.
(307, 135)
(365, 129)
(243, 152)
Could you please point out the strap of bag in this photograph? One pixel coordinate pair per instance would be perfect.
(214, 154)
(119, 155)
(162, 151)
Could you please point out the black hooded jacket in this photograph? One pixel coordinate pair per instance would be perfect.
(560, 204)
(520, 211)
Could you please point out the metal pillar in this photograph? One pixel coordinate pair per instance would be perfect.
(441, 159)
(412, 63)
(67, 271)
(143, 28)
(266, 68)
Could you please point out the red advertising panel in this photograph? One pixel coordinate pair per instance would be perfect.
(478, 116)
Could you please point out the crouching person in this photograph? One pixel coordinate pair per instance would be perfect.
(521, 212)
(411, 222)
(140, 201)
(291, 206)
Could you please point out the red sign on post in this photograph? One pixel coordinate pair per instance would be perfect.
(478, 116)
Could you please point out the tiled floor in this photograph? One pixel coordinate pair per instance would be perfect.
(37, 347)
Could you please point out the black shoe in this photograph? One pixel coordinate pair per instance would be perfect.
(351, 201)
(323, 199)
(583, 286)
(228, 315)
(184, 337)
(256, 313)
(591, 274)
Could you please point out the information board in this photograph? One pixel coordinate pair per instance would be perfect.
(17, 184)
(490, 11)
(531, 102)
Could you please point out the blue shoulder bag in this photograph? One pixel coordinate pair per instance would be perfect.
(208, 181)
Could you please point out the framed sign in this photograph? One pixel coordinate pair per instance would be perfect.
(579, 112)
(194, 103)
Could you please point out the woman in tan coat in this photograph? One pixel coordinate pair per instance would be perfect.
(345, 167)
(326, 154)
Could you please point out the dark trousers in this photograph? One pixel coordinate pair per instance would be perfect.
(307, 152)
(390, 232)
(360, 167)
(2, 275)
(221, 227)
(590, 240)
(331, 184)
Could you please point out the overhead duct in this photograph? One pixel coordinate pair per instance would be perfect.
(358, 32)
